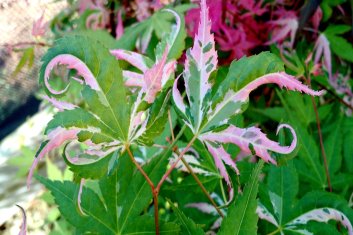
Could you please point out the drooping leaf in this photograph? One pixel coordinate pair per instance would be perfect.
(241, 217)
(254, 137)
(244, 76)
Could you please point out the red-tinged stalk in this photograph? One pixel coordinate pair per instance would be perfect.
(154, 189)
(322, 147)
(150, 183)
(204, 190)
(165, 176)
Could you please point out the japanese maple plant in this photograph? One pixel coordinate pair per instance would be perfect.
(120, 143)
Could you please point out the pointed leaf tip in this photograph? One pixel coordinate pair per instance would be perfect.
(281, 79)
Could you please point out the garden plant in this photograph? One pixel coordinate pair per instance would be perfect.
(162, 116)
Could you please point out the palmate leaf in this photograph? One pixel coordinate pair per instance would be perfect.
(286, 214)
(208, 117)
(104, 124)
(241, 218)
(105, 92)
(118, 210)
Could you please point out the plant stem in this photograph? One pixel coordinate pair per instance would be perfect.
(322, 147)
(165, 176)
(139, 167)
(149, 181)
(155, 202)
(324, 157)
(204, 190)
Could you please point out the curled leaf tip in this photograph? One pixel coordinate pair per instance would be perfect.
(72, 62)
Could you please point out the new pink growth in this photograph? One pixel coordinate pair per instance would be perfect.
(252, 136)
(72, 62)
(281, 79)
(39, 27)
(322, 50)
(153, 79)
(55, 139)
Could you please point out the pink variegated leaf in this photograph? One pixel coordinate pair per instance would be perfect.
(133, 79)
(220, 155)
(72, 62)
(322, 50)
(281, 79)
(55, 139)
(200, 62)
(233, 101)
(321, 215)
(153, 78)
(139, 61)
(23, 230)
(264, 214)
(217, 156)
(203, 207)
(254, 137)
(61, 105)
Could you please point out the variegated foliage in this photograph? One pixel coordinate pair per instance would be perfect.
(296, 225)
(112, 116)
(209, 106)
